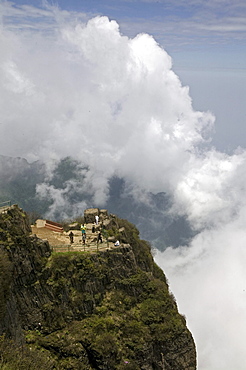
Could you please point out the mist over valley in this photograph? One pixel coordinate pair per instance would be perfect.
(91, 117)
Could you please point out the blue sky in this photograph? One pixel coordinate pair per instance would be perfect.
(196, 29)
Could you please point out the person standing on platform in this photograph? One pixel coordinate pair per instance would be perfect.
(71, 237)
(83, 230)
(83, 238)
(99, 237)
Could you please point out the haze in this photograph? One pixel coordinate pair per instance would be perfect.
(77, 87)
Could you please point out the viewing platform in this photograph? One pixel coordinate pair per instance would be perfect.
(60, 241)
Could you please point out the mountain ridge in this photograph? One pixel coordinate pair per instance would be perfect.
(107, 310)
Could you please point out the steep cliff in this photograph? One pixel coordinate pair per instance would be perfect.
(76, 310)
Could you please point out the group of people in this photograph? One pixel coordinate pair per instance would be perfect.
(83, 231)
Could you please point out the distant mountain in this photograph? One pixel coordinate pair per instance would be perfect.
(19, 179)
(151, 217)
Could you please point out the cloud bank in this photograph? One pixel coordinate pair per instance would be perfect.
(88, 92)
(84, 90)
(208, 278)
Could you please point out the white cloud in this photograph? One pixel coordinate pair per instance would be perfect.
(113, 103)
(110, 101)
(208, 279)
(61, 204)
(212, 191)
(15, 81)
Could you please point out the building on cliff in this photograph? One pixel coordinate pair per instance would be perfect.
(51, 225)
(80, 310)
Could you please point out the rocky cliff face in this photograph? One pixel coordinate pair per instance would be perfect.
(75, 310)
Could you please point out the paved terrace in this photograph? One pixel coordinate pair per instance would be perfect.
(60, 241)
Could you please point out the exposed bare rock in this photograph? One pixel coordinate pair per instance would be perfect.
(106, 310)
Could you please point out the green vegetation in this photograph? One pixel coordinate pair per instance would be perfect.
(109, 310)
(21, 357)
(5, 281)
(121, 313)
(123, 326)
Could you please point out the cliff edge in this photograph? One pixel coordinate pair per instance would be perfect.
(78, 310)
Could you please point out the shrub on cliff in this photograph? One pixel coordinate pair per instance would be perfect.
(5, 280)
(14, 357)
(109, 310)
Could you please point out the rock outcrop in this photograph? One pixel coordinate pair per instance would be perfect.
(107, 310)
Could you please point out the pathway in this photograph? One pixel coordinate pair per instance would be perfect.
(60, 242)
